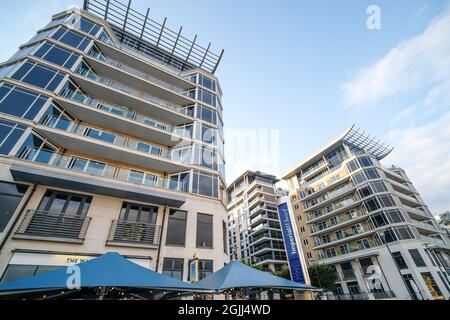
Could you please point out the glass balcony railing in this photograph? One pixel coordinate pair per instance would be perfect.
(329, 195)
(349, 249)
(116, 110)
(133, 51)
(331, 209)
(343, 236)
(108, 137)
(135, 72)
(100, 169)
(129, 90)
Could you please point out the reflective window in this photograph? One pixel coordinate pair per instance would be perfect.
(205, 268)
(138, 213)
(173, 267)
(84, 25)
(71, 38)
(57, 55)
(205, 184)
(204, 230)
(100, 135)
(20, 102)
(38, 75)
(10, 133)
(418, 260)
(57, 202)
(16, 272)
(176, 228)
(401, 263)
(10, 196)
(206, 114)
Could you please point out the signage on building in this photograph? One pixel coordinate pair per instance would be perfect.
(193, 270)
(292, 249)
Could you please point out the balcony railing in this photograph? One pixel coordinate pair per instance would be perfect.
(134, 51)
(100, 135)
(345, 235)
(330, 195)
(145, 76)
(350, 249)
(339, 222)
(134, 233)
(333, 209)
(116, 110)
(100, 169)
(131, 91)
(53, 225)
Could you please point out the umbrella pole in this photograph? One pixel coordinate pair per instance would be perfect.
(102, 293)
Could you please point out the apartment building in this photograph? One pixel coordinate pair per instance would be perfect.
(444, 221)
(111, 139)
(254, 227)
(369, 222)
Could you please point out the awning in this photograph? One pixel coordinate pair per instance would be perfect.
(236, 275)
(108, 270)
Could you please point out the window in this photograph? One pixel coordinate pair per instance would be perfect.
(395, 216)
(379, 220)
(57, 55)
(20, 102)
(207, 82)
(173, 267)
(176, 228)
(39, 76)
(404, 233)
(365, 162)
(372, 204)
(100, 135)
(365, 265)
(56, 202)
(353, 287)
(206, 134)
(10, 133)
(179, 182)
(401, 263)
(386, 201)
(138, 213)
(365, 192)
(16, 272)
(224, 237)
(372, 174)
(85, 25)
(10, 196)
(418, 260)
(359, 178)
(205, 268)
(71, 38)
(206, 114)
(204, 230)
(431, 285)
(205, 184)
(379, 186)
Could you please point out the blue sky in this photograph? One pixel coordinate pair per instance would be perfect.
(310, 69)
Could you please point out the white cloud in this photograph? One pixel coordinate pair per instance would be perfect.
(420, 61)
(413, 79)
(424, 153)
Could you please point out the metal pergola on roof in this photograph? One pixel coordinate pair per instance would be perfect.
(362, 140)
(157, 34)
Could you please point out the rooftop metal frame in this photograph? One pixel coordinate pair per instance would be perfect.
(140, 25)
(360, 139)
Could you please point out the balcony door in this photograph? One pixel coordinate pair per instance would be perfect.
(138, 213)
(67, 204)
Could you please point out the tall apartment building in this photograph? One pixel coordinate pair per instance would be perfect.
(253, 222)
(369, 222)
(111, 140)
(444, 221)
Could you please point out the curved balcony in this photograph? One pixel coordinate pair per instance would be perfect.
(126, 74)
(145, 103)
(88, 140)
(88, 175)
(87, 108)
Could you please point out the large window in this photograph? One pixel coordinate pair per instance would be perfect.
(56, 202)
(57, 55)
(84, 25)
(173, 267)
(10, 133)
(15, 272)
(205, 184)
(39, 76)
(418, 260)
(10, 196)
(176, 228)
(401, 263)
(71, 38)
(224, 236)
(138, 213)
(204, 230)
(20, 102)
(205, 268)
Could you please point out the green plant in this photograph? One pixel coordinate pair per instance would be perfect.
(323, 276)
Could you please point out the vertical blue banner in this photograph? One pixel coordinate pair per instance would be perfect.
(290, 244)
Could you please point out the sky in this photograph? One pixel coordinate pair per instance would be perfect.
(297, 73)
